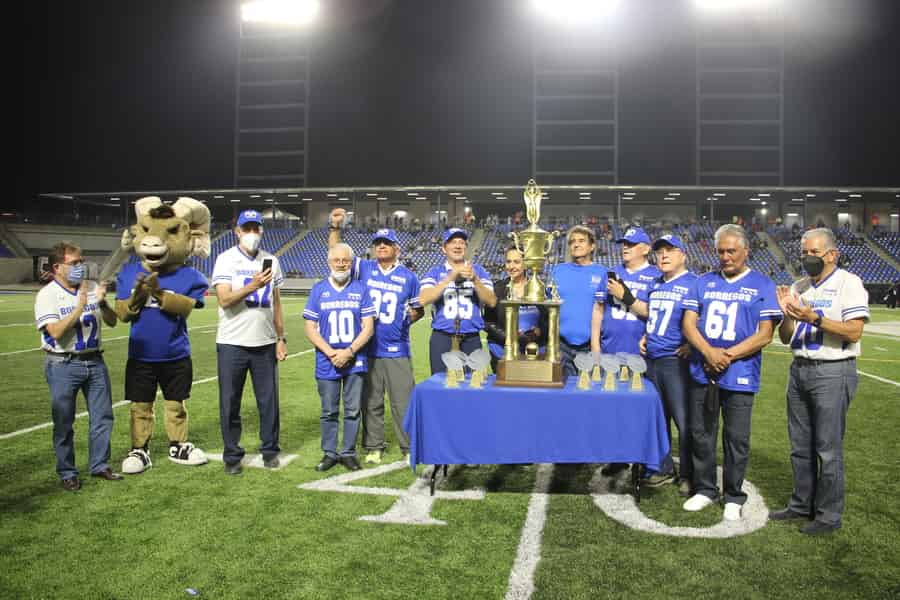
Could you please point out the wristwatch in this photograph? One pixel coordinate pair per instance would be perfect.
(818, 321)
(282, 339)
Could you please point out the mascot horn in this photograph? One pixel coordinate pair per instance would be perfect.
(156, 296)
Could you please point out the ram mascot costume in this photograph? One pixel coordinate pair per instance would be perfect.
(156, 295)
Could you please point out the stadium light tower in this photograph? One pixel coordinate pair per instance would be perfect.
(287, 12)
(576, 12)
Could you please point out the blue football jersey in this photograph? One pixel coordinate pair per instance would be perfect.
(339, 314)
(622, 329)
(579, 287)
(392, 293)
(529, 317)
(665, 309)
(157, 336)
(456, 301)
(730, 312)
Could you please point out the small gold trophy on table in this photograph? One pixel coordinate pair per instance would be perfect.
(532, 370)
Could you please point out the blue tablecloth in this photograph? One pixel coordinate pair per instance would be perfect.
(507, 425)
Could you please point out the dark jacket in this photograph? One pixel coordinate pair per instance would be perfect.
(495, 317)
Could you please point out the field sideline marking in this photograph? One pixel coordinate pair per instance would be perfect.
(876, 377)
(113, 339)
(521, 578)
(123, 403)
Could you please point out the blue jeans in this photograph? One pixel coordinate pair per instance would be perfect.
(233, 364)
(567, 354)
(66, 376)
(330, 395)
(670, 375)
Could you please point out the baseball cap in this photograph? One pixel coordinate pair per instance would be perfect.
(455, 232)
(634, 235)
(249, 216)
(386, 234)
(671, 240)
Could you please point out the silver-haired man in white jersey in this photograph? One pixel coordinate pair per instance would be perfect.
(824, 316)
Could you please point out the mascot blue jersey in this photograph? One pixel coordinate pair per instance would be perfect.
(456, 301)
(665, 309)
(392, 292)
(622, 329)
(157, 336)
(339, 314)
(579, 286)
(730, 311)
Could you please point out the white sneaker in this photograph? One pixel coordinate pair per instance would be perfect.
(187, 454)
(137, 461)
(697, 502)
(732, 511)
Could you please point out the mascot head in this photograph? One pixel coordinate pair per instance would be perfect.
(164, 236)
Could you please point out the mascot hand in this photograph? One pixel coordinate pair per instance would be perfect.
(151, 284)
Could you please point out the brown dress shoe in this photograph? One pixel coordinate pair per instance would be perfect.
(108, 474)
(72, 484)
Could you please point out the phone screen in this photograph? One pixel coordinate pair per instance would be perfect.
(267, 264)
(612, 275)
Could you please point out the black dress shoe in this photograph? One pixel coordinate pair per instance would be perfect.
(271, 462)
(326, 463)
(108, 474)
(613, 469)
(351, 463)
(819, 527)
(73, 484)
(233, 468)
(787, 514)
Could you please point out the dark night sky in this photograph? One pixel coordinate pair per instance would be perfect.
(123, 95)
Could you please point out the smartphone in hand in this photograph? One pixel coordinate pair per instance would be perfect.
(612, 275)
(267, 264)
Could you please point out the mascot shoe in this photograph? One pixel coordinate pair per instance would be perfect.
(137, 461)
(186, 454)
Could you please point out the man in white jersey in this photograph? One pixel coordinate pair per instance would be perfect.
(68, 312)
(824, 316)
(250, 338)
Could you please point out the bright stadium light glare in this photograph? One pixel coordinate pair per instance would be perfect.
(576, 12)
(286, 12)
(726, 6)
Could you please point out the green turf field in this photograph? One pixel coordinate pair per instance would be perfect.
(259, 536)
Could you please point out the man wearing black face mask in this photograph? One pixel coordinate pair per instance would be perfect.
(823, 322)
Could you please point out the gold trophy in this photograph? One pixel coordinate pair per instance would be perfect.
(531, 370)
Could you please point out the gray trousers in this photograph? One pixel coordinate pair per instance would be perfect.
(737, 409)
(818, 396)
(394, 375)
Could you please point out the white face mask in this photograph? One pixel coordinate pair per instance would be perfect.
(339, 276)
(250, 241)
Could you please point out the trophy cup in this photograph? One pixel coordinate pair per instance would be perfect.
(610, 364)
(478, 361)
(623, 360)
(532, 370)
(638, 366)
(454, 366)
(595, 374)
(584, 362)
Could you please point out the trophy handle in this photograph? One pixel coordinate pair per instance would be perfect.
(515, 239)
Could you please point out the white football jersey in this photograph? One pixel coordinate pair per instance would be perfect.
(839, 297)
(249, 322)
(53, 304)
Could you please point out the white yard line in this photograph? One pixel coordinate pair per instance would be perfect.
(521, 578)
(877, 378)
(29, 324)
(121, 403)
(198, 329)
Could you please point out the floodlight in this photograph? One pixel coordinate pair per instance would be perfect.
(576, 12)
(725, 6)
(286, 12)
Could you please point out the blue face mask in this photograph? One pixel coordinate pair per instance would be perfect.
(76, 274)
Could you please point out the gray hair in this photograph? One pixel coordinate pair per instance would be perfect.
(731, 230)
(340, 246)
(823, 232)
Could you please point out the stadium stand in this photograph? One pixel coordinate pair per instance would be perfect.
(889, 242)
(858, 257)
(6, 252)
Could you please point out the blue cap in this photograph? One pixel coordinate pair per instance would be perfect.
(455, 232)
(634, 235)
(386, 234)
(250, 216)
(671, 240)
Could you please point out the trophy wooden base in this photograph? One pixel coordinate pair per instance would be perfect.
(529, 373)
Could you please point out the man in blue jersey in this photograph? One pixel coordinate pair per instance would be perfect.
(156, 296)
(394, 291)
(581, 284)
(457, 289)
(667, 351)
(729, 317)
(339, 322)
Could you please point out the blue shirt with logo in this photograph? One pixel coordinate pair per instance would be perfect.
(579, 287)
(392, 293)
(665, 309)
(529, 317)
(622, 329)
(158, 336)
(339, 313)
(730, 312)
(457, 301)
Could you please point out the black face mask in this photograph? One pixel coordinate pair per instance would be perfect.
(813, 265)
